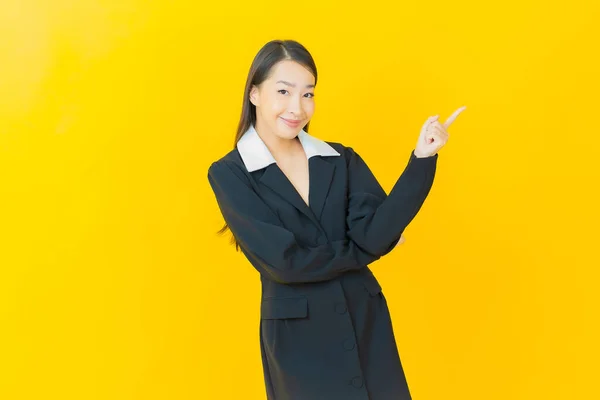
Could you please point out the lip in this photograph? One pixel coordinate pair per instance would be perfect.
(292, 123)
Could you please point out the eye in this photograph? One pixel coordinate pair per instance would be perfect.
(311, 95)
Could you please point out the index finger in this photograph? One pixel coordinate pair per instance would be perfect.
(451, 118)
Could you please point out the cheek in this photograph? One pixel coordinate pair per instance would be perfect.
(309, 108)
(274, 104)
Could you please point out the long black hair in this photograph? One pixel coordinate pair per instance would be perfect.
(269, 55)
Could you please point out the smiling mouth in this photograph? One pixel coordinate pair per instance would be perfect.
(292, 121)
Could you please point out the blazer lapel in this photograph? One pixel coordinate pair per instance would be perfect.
(275, 179)
(320, 177)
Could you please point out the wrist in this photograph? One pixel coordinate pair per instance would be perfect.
(418, 154)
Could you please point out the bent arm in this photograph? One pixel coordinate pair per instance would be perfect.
(375, 220)
(270, 247)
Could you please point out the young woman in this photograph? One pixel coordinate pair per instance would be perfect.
(310, 217)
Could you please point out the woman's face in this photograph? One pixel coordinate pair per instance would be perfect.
(284, 102)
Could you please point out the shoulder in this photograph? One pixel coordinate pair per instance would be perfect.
(347, 153)
(228, 166)
(341, 148)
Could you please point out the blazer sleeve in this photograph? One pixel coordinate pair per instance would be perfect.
(375, 221)
(270, 247)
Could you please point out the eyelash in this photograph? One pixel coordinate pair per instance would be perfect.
(283, 90)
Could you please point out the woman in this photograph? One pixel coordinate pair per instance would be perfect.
(310, 216)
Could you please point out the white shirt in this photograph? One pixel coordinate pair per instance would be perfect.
(256, 155)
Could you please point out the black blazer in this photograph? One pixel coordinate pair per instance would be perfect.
(349, 223)
(325, 330)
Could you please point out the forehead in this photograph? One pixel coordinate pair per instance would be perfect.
(292, 72)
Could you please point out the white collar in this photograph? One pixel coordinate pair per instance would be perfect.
(256, 155)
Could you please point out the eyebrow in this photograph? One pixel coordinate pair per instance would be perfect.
(292, 85)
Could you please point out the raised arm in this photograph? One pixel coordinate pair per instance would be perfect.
(375, 220)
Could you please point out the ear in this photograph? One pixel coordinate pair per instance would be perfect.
(254, 95)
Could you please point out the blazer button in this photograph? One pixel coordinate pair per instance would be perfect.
(349, 344)
(357, 382)
(340, 308)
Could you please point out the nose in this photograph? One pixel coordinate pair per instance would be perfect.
(295, 106)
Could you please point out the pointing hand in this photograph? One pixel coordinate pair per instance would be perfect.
(434, 135)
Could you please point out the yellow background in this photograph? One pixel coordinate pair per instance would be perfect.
(113, 283)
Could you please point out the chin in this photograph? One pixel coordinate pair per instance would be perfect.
(289, 134)
(288, 131)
